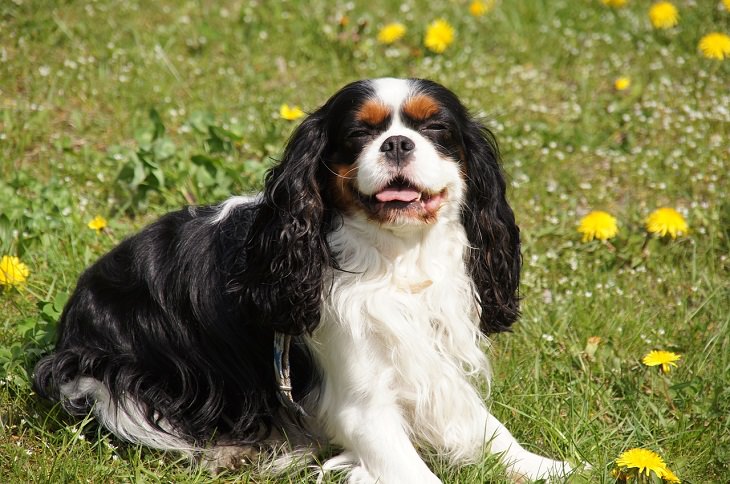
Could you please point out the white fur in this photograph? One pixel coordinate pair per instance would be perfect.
(225, 208)
(127, 421)
(402, 357)
(392, 92)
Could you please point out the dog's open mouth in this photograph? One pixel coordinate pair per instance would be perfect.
(402, 197)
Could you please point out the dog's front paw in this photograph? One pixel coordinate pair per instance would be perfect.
(531, 467)
(359, 475)
(356, 473)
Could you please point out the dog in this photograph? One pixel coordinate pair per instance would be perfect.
(347, 305)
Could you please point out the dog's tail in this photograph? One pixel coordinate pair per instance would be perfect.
(49, 371)
(56, 378)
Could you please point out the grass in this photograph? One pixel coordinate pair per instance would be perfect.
(131, 109)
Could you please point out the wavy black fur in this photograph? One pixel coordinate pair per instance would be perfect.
(495, 258)
(156, 318)
(282, 281)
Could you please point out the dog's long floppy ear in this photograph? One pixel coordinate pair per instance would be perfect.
(494, 259)
(286, 251)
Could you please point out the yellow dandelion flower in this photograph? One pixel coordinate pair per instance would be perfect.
(669, 476)
(622, 83)
(480, 7)
(715, 46)
(391, 33)
(663, 15)
(598, 225)
(290, 113)
(12, 271)
(645, 461)
(439, 35)
(660, 357)
(97, 223)
(726, 3)
(663, 221)
(614, 3)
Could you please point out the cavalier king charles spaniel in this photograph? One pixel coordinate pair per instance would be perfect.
(347, 305)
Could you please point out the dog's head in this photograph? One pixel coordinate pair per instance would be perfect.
(395, 151)
(402, 154)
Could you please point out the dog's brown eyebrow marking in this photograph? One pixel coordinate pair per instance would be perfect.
(373, 112)
(420, 107)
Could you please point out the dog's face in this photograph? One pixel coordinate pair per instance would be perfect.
(404, 155)
(395, 151)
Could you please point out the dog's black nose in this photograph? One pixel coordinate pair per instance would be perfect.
(397, 148)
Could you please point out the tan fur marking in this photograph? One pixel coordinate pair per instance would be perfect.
(420, 107)
(373, 112)
(340, 182)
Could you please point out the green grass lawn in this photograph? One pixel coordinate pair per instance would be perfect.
(130, 109)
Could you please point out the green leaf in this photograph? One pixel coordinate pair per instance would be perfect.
(50, 311)
(59, 302)
(159, 127)
(200, 120)
(6, 230)
(221, 140)
(16, 351)
(224, 133)
(163, 148)
(25, 326)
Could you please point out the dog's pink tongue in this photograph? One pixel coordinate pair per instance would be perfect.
(399, 194)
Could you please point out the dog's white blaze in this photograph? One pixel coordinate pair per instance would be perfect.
(392, 92)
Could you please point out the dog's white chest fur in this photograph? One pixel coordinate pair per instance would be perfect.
(403, 317)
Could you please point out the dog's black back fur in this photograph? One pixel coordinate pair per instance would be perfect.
(180, 344)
